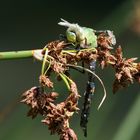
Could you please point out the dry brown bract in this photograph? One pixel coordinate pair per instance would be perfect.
(57, 116)
(45, 81)
(105, 56)
(37, 101)
(126, 71)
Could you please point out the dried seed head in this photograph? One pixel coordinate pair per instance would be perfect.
(57, 67)
(45, 81)
(38, 101)
(69, 134)
(105, 41)
(126, 70)
(58, 117)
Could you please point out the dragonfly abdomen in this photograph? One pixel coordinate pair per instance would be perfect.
(90, 89)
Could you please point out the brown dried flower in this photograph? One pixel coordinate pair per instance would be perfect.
(126, 69)
(45, 81)
(137, 75)
(55, 47)
(104, 41)
(58, 116)
(69, 134)
(37, 101)
(105, 57)
(57, 67)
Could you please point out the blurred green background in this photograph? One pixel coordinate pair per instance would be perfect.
(31, 24)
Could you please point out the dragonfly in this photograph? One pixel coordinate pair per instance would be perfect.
(85, 37)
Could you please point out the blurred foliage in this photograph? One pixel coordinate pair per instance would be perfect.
(31, 24)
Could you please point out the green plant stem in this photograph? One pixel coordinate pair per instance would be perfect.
(37, 54)
(16, 54)
(63, 76)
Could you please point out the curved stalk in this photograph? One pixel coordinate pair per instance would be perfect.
(89, 71)
(44, 62)
(63, 76)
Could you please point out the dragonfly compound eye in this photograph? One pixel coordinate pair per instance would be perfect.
(71, 36)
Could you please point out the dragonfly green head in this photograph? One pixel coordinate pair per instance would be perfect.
(74, 32)
(71, 36)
